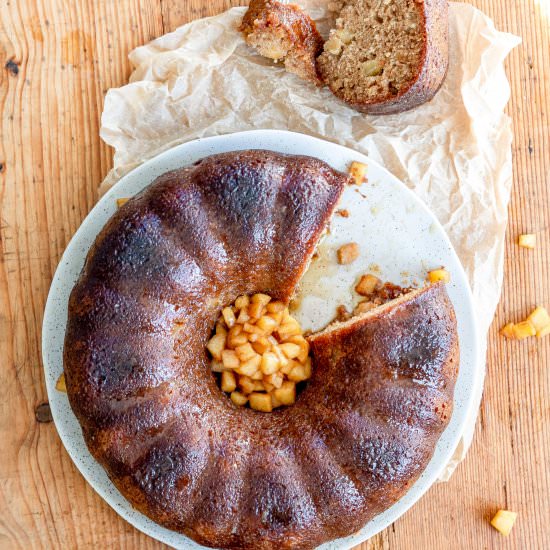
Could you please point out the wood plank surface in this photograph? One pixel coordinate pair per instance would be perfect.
(57, 59)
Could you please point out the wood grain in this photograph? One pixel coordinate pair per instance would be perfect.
(57, 59)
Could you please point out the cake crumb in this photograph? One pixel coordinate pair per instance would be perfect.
(348, 253)
(342, 313)
(375, 268)
(343, 212)
(363, 307)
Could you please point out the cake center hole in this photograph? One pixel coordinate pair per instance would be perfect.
(259, 353)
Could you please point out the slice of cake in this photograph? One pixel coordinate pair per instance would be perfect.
(386, 56)
(283, 32)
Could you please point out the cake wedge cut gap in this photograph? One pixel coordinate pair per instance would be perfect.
(382, 301)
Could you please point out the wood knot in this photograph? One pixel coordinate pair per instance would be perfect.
(12, 67)
(43, 413)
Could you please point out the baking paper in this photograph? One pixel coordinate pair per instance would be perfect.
(454, 152)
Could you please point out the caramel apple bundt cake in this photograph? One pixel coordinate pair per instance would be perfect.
(139, 376)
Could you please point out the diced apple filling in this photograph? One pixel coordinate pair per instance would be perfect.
(358, 171)
(260, 353)
(437, 275)
(537, 324)
(503, 521)
(375, 292)
(122, 201)
(60, 385)
(529, 240)
(347, 253)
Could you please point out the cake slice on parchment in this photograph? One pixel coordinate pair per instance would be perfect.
(386, 56)
(382, 56)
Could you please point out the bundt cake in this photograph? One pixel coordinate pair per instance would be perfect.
(139, 381)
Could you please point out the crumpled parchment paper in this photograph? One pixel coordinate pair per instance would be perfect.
(454, 152)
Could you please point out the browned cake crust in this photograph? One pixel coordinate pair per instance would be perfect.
(136, 367)
(284, 32)
(382, 394)
(139, 381)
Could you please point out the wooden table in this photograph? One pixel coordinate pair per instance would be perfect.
(57, 60)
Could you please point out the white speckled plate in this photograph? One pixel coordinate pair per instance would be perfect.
(400, 240)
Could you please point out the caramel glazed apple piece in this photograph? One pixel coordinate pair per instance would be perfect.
(283, 32)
